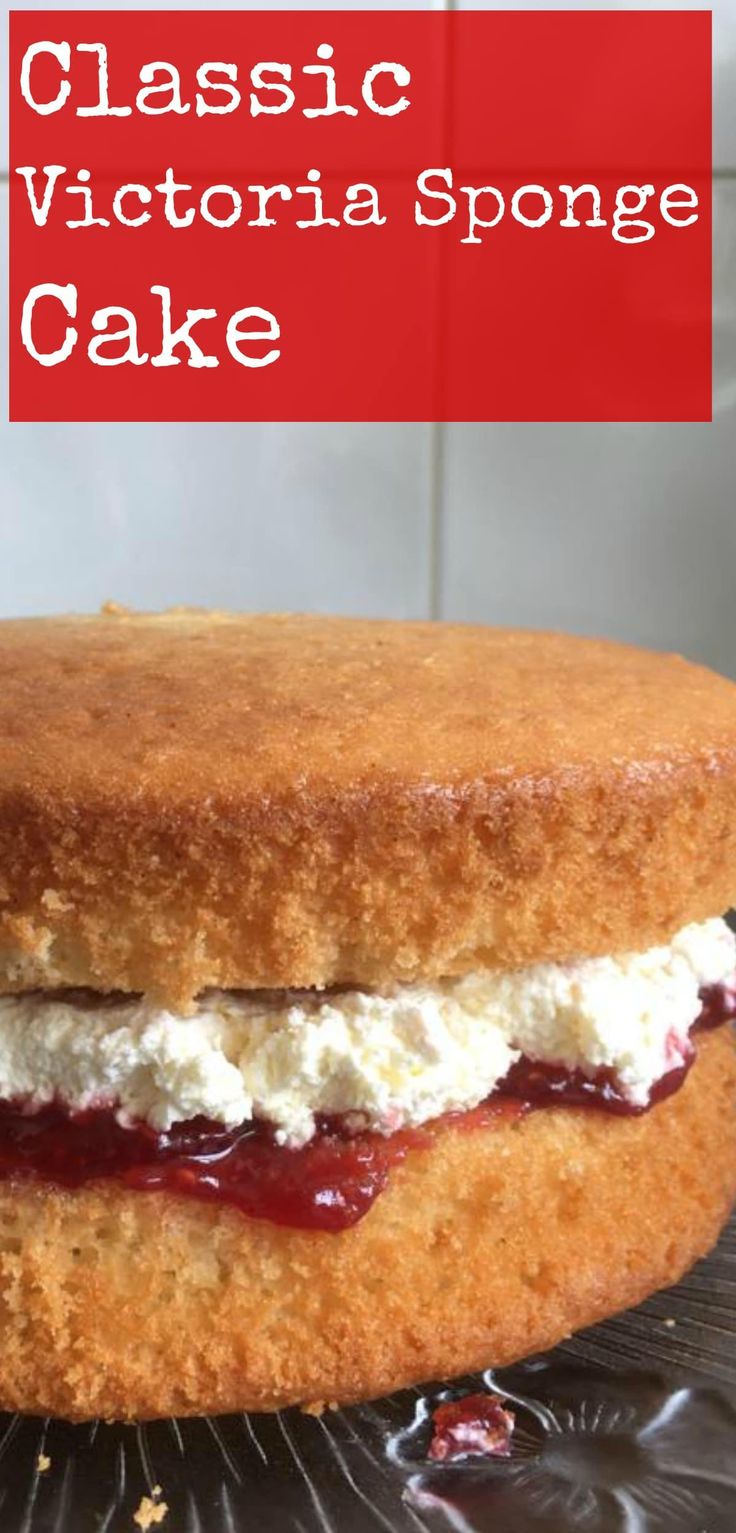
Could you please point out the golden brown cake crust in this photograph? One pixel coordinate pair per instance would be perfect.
(198, 799)
(491, 1244)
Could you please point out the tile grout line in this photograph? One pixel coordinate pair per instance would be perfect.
(437, 441)
(724, 173)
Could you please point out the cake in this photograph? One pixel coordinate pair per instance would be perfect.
(360, 991)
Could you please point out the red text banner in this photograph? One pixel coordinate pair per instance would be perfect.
(360, 215)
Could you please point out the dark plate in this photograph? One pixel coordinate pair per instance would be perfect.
(628, 1428)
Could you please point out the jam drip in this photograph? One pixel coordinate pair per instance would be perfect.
(474, 1426)
(718, 1005)
(329, 1184)
(543, 1085)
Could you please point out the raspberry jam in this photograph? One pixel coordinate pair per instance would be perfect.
(329, 1184)
(476, 1425)
(543, 1085)
(718, 1006)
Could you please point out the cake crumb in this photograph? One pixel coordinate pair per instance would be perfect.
(43, 1462)
(669, 1322)
(150, 1513)
(116, 609)
(318, 1407)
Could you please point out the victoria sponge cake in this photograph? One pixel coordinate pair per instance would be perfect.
(364, 1000)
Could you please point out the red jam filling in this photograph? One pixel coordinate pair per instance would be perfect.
(718, 1005)
(329, 1184)
(475, 1425)
(543, 1085)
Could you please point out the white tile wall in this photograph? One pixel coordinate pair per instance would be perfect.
(627, 530)
(623, 530)
(263, 516)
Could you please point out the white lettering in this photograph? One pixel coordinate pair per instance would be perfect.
(234, 336)
(67, 297)
(182, 336)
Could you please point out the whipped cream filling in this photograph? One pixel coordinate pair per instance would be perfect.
(390, 1059)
